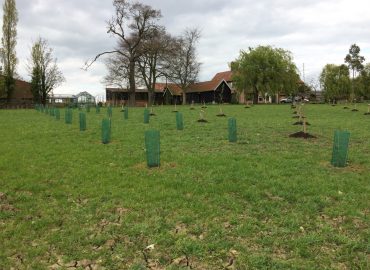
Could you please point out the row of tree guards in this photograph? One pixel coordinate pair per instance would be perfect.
(152, 137)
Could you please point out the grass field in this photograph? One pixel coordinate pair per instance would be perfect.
(266, 202)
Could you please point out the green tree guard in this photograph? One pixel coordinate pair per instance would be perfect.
(57, 114)
(179, 121)
(106, 131)
(146, 116)
(97, 109)
(110, 111)
(232, 130)
(88, 108)
(340, 148)
(152, 146)
(82, 121)
(126, 113)
(68, 115)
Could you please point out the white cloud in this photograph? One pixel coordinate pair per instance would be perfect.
(317, 32)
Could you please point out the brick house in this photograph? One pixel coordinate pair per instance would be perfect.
(20, 96)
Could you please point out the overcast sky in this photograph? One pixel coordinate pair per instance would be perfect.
(317, 32)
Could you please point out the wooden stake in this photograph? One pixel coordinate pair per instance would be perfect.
(201, 115)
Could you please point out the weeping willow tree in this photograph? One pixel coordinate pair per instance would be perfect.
(265, 70)
(335, 82)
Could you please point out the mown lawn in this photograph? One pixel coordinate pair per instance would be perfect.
(266, 202)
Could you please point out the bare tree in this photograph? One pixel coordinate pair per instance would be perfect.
(118, 70)
(184, 67)
(153, 62)
(43, 69)
(131, 24)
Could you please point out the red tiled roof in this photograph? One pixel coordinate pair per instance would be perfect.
(225, 75)
(196, 87)
(159, 87)
(204, 86)
(174, 88)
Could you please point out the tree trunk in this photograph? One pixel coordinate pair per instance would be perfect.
(9, 87)
(43, 99)
(131, 80)
(255, 95)
(150, 97)
(183, 98)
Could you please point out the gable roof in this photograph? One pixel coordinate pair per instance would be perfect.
(206, 86)
(225, 75)
(173, 88)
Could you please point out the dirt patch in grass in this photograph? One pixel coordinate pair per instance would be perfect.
(164, 166)
(202, 121)
(303, 135)
(356, 168)
(221, 115)
(367, 113)
(5, 205)
(353, 168)
(272, 197)
(81, 264)
(354, 110)
(8, 208)
(301, 123)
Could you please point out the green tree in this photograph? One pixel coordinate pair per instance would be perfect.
(362, 82)
(354, 61)
(9, 41)
(44, 72)
(265, 70)
(335, 82)
(2, 84)
(36, 84)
